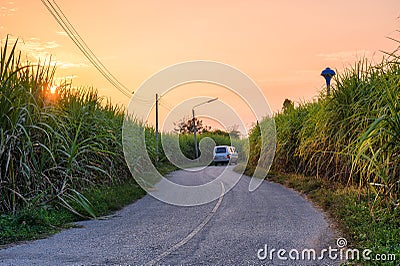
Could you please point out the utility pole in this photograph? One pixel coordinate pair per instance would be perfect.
(194, 133)
(156, 127)
(194, 125)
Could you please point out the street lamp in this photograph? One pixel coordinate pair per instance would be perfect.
(194, 124)
(328, 73)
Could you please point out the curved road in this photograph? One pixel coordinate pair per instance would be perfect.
(236, 229)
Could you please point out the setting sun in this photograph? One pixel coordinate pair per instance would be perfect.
(53, 89)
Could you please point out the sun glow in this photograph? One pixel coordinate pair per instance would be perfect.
(53, 89)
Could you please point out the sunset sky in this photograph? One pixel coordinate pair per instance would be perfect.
(282, 45)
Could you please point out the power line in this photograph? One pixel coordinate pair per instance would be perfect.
(88, 49)
(144, 100)
(165, 104)
(63, 21)
(166, 107)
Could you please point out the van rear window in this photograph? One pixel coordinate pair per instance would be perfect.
(220, 150)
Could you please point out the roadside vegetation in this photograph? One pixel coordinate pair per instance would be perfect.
(343, 151)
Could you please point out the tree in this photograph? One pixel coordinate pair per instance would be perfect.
(220, 132)
(185, 126)
(234, 131)
(287, 104)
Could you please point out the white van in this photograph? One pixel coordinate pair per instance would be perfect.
(225, 154)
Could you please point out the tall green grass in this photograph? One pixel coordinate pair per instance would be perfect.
(24, 130)
(52, 147)
(351, 136)
(260, 148)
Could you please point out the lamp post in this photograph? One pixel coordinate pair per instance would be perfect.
(328, 73)
(194, 124)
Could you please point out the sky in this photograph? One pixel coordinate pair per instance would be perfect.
(281, 45)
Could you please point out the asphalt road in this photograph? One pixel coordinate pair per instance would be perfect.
(232, 230)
